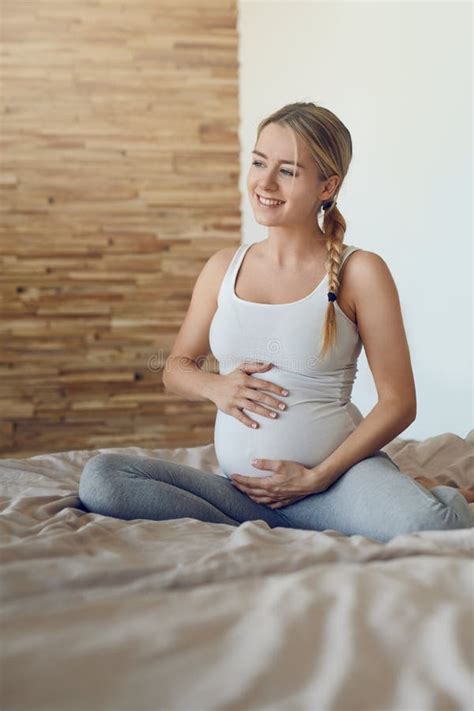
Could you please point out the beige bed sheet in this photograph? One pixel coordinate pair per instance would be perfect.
(100, 614)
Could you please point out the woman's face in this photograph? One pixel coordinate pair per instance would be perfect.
(272, 177)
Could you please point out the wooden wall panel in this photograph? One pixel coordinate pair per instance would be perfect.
(119, 178)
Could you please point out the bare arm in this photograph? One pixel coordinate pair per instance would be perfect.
(188, 379)
(182, 373)
(380, 323)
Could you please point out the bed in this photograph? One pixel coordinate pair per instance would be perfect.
(100, 614)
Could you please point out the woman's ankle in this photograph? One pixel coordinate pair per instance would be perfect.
(431, 483)
(468, 495)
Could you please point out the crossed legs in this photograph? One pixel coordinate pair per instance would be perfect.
(373, 498)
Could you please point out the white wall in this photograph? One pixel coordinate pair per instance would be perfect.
(399, 76)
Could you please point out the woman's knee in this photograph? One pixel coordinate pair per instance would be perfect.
(94, 483)
(398, 504)
(443, 509)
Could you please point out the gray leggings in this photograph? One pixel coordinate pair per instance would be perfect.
(373, 498)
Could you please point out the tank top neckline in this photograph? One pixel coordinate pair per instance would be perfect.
(259, 303)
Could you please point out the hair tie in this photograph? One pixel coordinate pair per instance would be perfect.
(331, 296)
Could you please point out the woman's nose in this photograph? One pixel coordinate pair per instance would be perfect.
(268, 182)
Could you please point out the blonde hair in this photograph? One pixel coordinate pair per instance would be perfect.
(330, 145)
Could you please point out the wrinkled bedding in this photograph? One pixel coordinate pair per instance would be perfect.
(103, 614)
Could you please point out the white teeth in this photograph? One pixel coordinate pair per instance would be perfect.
(264, 201)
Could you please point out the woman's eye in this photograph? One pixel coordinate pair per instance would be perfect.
(288, 172)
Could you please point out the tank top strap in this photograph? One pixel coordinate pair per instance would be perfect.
(347, 251)
(226, 289)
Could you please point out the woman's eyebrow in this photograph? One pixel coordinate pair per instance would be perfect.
(290, 162)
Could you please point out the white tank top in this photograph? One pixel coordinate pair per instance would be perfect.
(319, 413)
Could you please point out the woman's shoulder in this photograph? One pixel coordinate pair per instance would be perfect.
(362, 267)
(217, 265)
(220, 261)
(363, 257)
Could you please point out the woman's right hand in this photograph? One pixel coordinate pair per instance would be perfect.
(238, 389)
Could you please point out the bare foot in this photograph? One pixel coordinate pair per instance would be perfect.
(468, 495)
(430, 483)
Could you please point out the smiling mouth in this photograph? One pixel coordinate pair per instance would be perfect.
(271, 203)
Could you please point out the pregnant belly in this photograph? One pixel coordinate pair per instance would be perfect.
(307, 432)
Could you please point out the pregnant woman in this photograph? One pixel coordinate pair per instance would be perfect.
(286, 319)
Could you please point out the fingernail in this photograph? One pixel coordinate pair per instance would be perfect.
(254, 461)
(285, 392)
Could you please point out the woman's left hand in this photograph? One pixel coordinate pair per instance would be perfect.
(289, 482)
